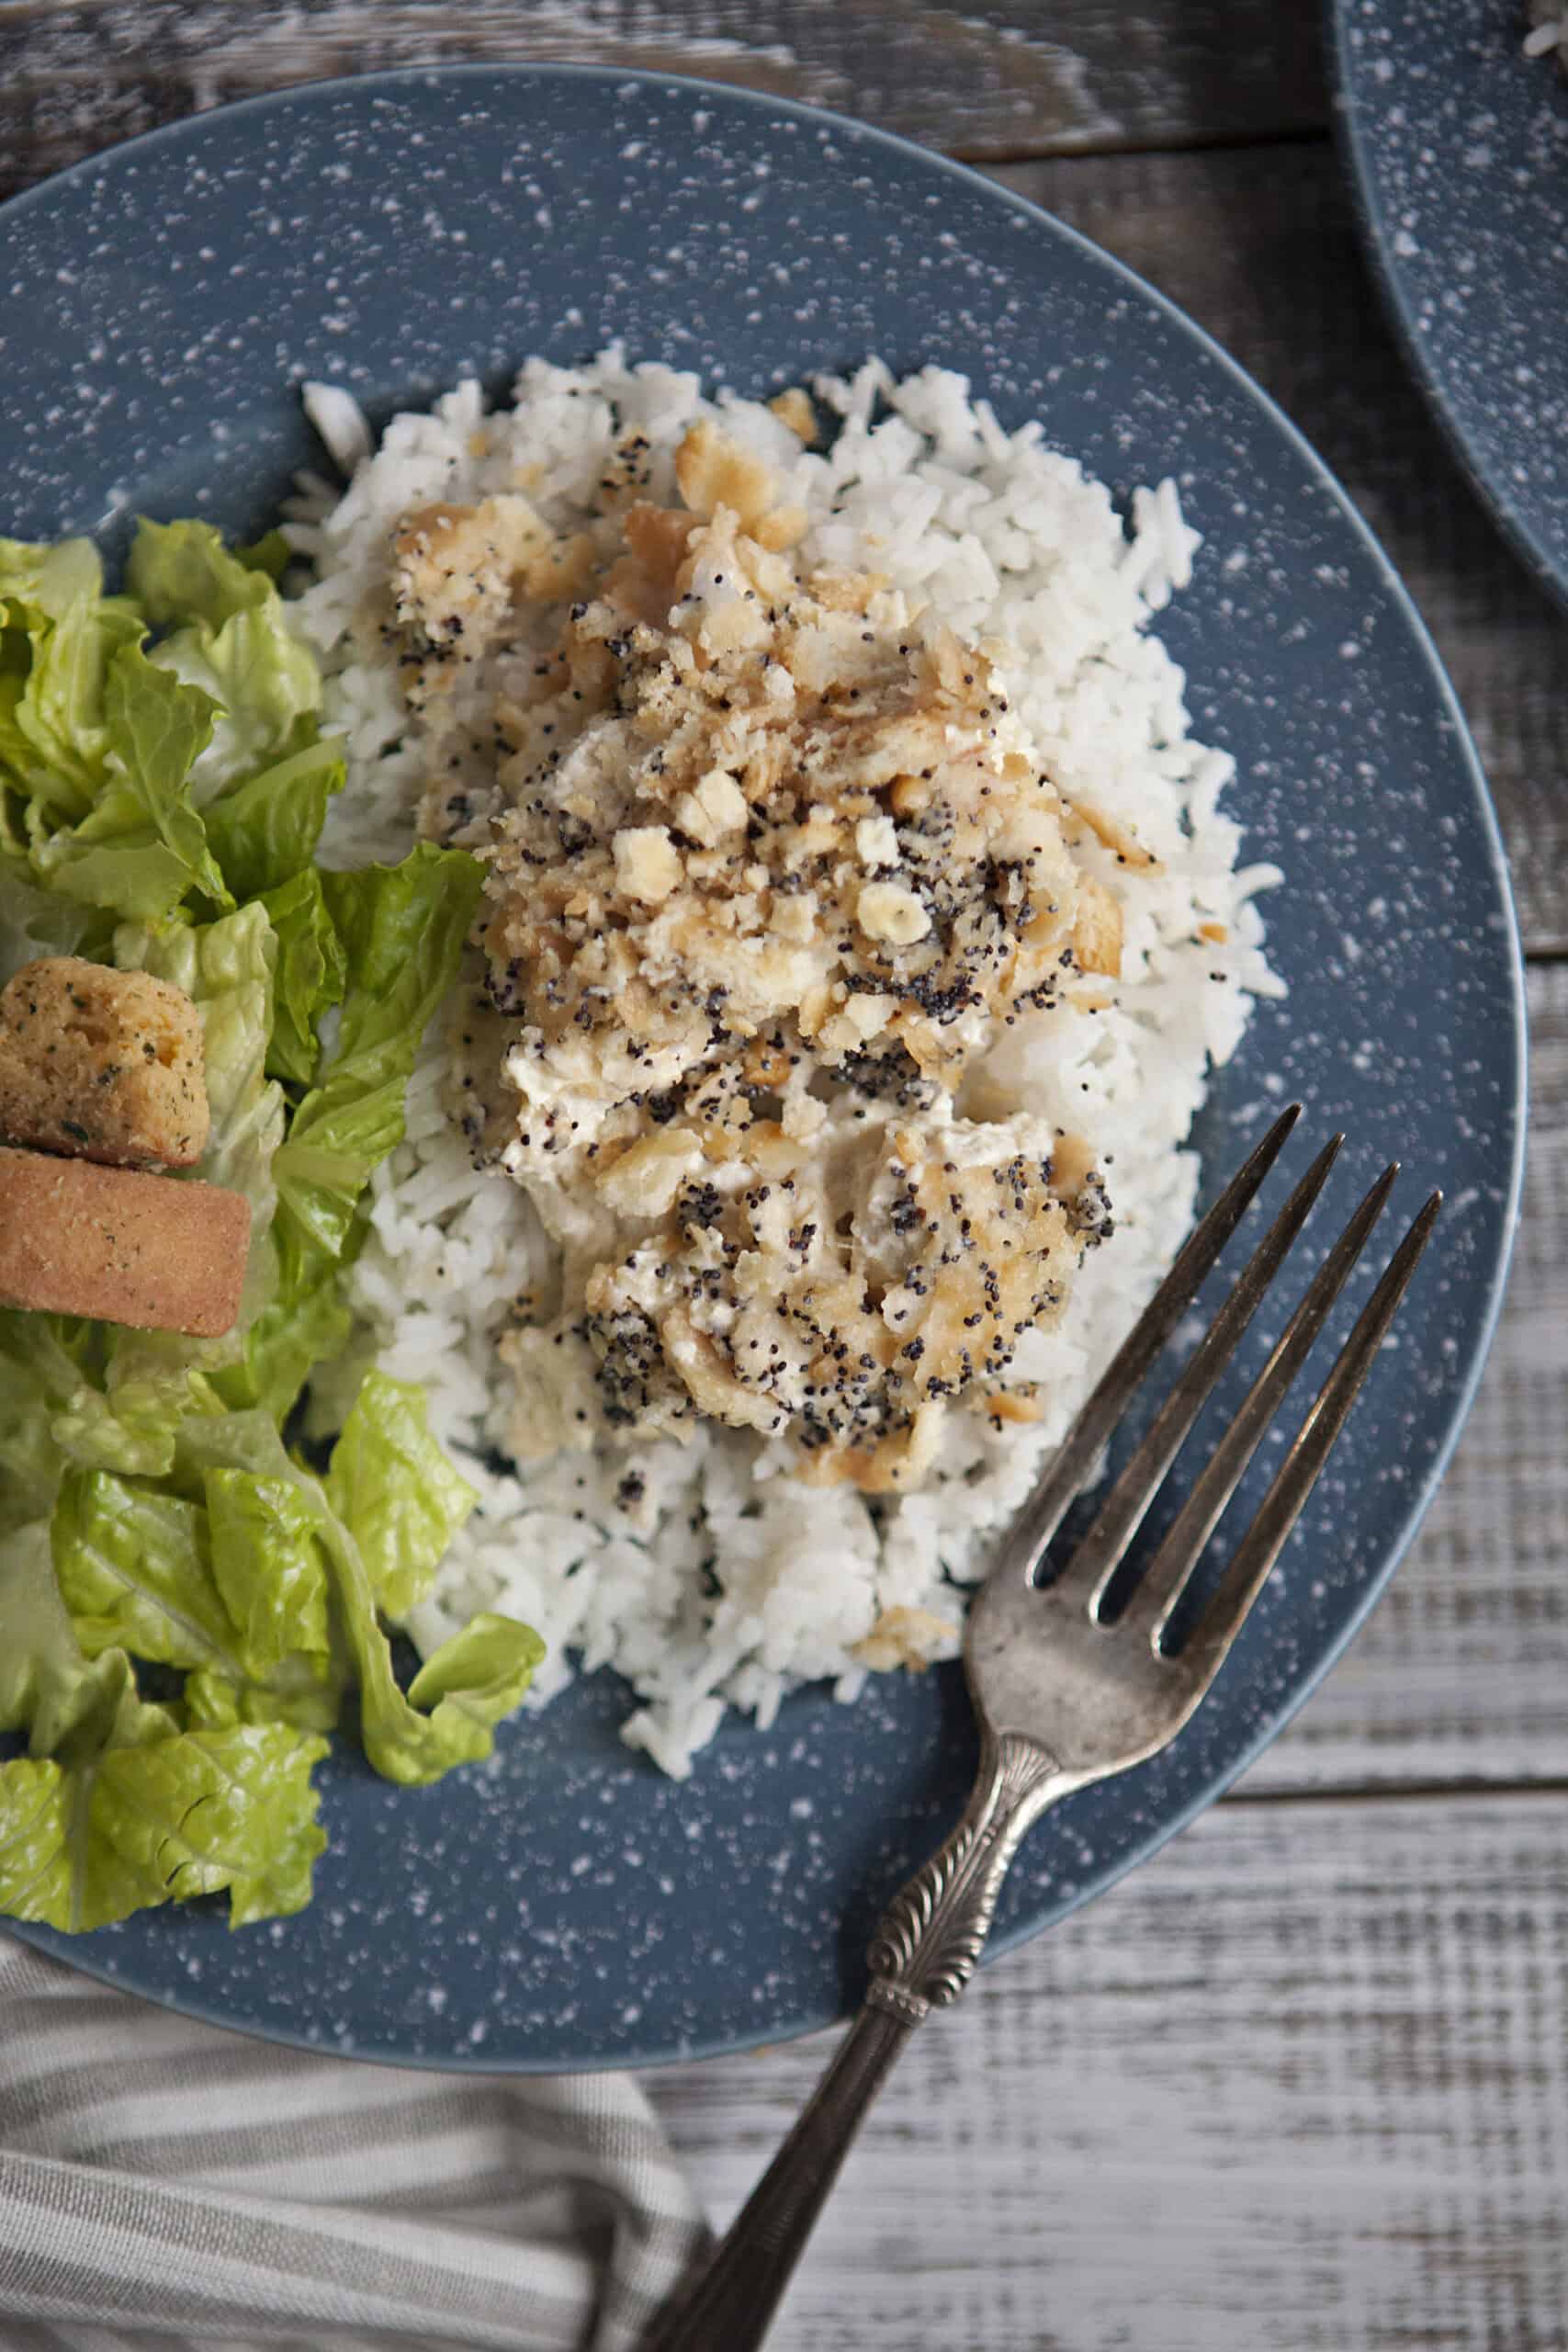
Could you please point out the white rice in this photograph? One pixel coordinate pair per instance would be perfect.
(1548, 36)
(722, 1583)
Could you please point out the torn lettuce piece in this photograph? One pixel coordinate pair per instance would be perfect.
(266, 1564)
(472, 1683)
(133, 1568)
(479, 1676)
(232, 1587)
(454, 1702)
(116, 1806)
(271, 553)
(311, 975)
(55, 1415)
(161, 1816)
(265, 831)
(53, 1864)
(295, 1332)
(59, 633)
(39, 1378)
(229, 635)
(392, 1485)
(141, 846)
(51, 1691)
(402, 928)
(130, 1428)
(182, 573)
(226, 969)
(148, 1508)
(35, 923)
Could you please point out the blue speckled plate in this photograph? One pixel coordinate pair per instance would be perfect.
(569, 1907)
(1458, 145)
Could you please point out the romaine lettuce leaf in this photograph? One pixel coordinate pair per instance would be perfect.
(132, 1565)
(234, 642)
(454, 1702)
(392, 1485)
(477, 1678)
(48, 1688)
(293, 1333)
(226, 969)
(270, 554)
(233, 1589)
(149, 1508)
(265, 831)
(128, 1430)
(141, 847)
(55, 1412)
(116, 1807)
(311, 975)
(160, 1817)
(35, 922)
(58, 635)
(267, 1563)
(472, 1683)
(402, 928)
(305, 1690)
(38, 1377)
(182, 573)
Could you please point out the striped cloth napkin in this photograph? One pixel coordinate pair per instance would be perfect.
(165, 2187)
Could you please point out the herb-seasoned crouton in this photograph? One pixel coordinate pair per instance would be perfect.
(102, 1065)
(120, 1245)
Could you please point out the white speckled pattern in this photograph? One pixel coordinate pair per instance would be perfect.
(1459, 145)
(568, 1907)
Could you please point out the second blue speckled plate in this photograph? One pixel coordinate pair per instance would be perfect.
(568, 1907)
(1459, 146)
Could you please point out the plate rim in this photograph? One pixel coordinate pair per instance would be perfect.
(519, 73)
(1353, 142)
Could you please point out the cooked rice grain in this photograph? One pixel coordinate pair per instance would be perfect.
(700, 1572)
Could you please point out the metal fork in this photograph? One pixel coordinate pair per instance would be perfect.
(1065, 1694)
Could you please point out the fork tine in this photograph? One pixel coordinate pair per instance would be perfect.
(1103, 1548)
(1170, 1571)
(1282, 1507)
(1080, 1449)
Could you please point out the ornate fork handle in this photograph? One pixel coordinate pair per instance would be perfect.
(922, 1956)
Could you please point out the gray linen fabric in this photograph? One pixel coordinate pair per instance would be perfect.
(165, 2187)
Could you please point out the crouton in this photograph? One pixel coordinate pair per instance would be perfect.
(120, 1245)
(102, 1065)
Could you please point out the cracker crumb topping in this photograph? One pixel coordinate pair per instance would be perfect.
(773, 860)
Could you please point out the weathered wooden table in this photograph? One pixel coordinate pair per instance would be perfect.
(1302, 2082)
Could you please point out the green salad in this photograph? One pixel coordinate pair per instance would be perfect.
(187, 1607)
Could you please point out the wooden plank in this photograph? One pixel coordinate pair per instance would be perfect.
(1261, 247)
(996, 78)
(1299, 2084)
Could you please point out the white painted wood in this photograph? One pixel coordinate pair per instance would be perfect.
(1301, 2084)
